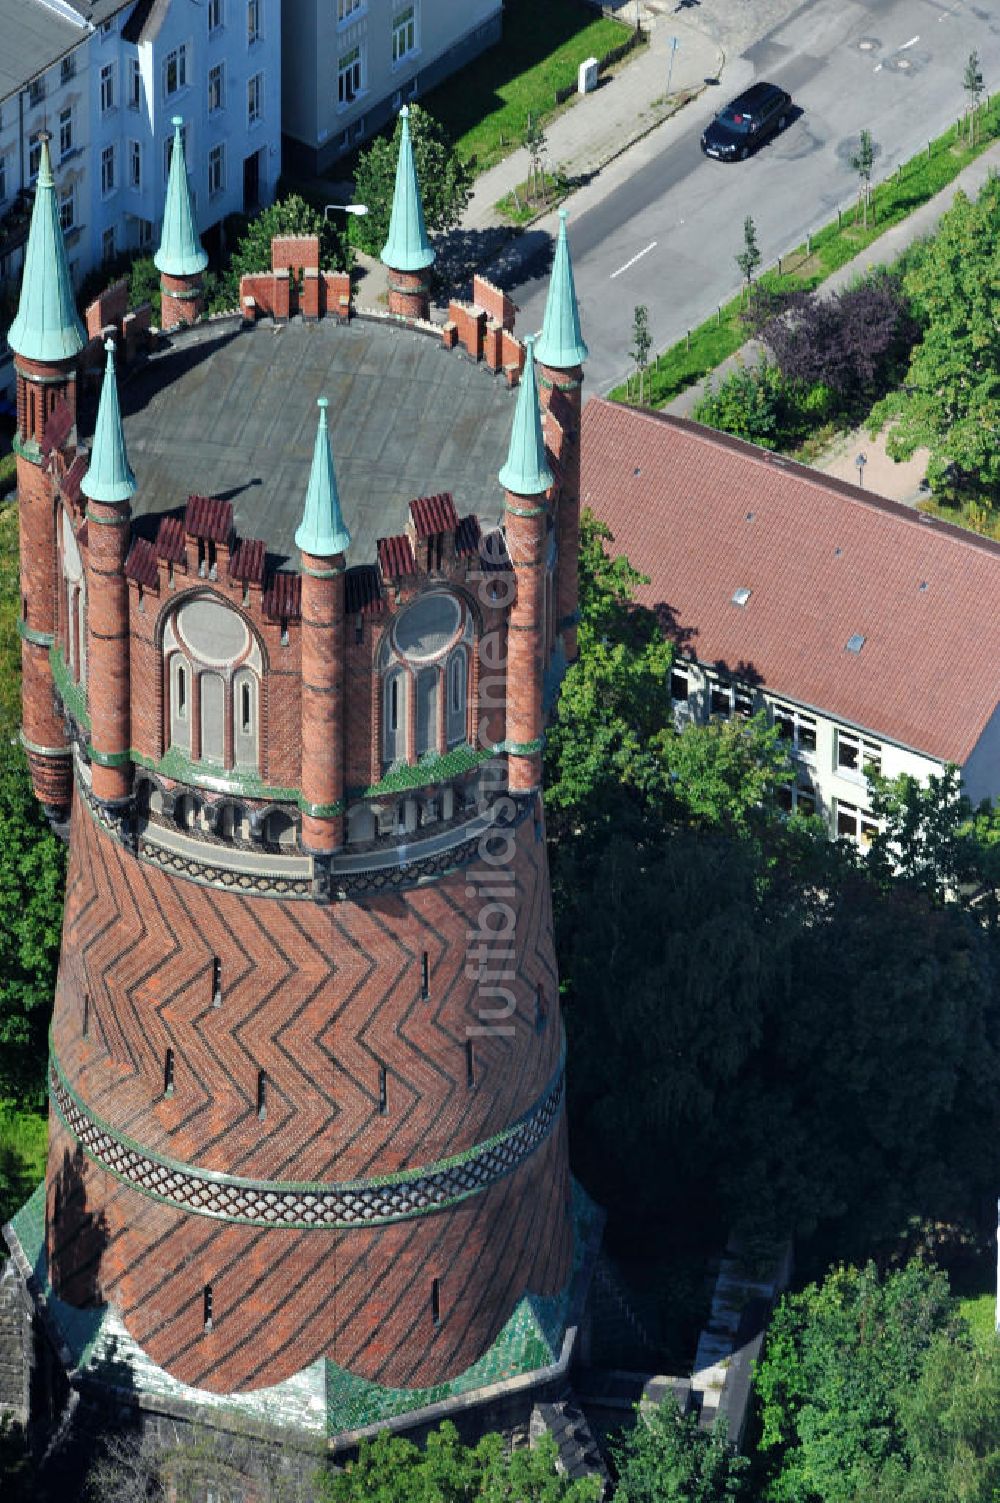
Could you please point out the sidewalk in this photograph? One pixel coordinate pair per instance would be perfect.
(881, 252)
(585, 137)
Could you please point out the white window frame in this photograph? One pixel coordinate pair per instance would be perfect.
(66, 123)
(255, 99)
(135, 165)
(405, 40)
(134, 84)
(36, 92)
(738, 700)
(34, 158)
(168, 147)
(109, 170)
(67, 209)
(217, 169)
(107, 88)
(801, 800)
(679, 672)
(215, 15)
(253, 22)
(217, 87)
(67, 68)
(801, 723)
(350, 65)
(855, 757)
(863, 826)
(175, 65)
(349, 10)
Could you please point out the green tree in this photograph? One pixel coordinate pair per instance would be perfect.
(749, 257)
(756, 404)
(642, 343)
(534, 142)
(445, 181)
(862, 162)
(288, 216)
(950, 400)
(667, 1458)
(972, 83)
(32, 875)
(391, 1469)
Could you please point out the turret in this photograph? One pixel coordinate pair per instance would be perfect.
(560, 353)
(108, 485)
(46, 337)
(180, 259)
(407, 253)
(323, 540)
(526, 478)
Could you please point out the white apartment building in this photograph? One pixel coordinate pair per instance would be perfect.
(866, 631)
(105, 79)
(348, 65)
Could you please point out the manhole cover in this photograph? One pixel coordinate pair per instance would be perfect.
(869, 44)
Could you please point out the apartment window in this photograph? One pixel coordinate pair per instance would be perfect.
(168, 150)
(107, 88)
(854, 824)
(349, 76)
(144, 233)
(134, 84)
(36, 91)
(34, 158)
(348, 8)
(216, 169)
(67, 69)
(65, 131)
(108, 245)
(175, 71)
(67, 210)
(404, 33)
(135, 164)
(216, 90)
(680, 685)
(742, 703)
(795, 800)
(797, 729)
(108, 181)
(255, 98)
(253, 22)
(857, 758)
(214, 14)
(107, 27)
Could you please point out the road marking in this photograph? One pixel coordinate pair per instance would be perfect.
(634, 259)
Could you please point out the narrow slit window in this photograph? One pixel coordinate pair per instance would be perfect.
(435, 1303)
(181, 693)
(246, 708)
(425, 976)
(541, 1011)
(216, 982)
(86, 1015)
(470, 1064)
(168, 1073)
(383, 1090)
(261, 1095)
(206, 1303)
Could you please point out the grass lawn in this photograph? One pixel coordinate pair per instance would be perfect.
(809, 265)
(484, 107)
(23, 1141)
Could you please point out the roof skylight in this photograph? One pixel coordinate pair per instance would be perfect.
(855, 643)
(741, 596)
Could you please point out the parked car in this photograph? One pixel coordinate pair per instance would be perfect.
(746, 121)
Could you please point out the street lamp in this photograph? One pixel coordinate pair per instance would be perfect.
(345, 209)
(861, 461)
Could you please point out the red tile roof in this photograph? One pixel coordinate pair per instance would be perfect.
(433, 515)
(170, 540)
(705, 515)
(283, 598)
(141, 563)
(395, 557)
(467, 535)
(248, 560)
(208, 517)
(363, 591)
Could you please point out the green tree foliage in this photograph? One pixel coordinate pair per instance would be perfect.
(32, 874)
(863, 162)
(749, 257)
(755, 403)
(642, 343)
(391, 1469)
(950, 401)
(667, 1458)
(445, 181)
(871, 1391)
(972, 83)
(287, 216)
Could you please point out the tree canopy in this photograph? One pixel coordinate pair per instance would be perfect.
(445, 181)
(667, 1458)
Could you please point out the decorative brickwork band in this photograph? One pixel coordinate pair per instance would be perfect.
(372, 1202)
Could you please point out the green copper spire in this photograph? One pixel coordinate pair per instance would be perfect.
(109, 477)
(322, 531)
(526, 472)
(407, 248)
(560, 344)
(46, 325)
(180, 253)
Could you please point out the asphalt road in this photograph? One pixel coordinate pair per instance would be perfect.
(662, 225)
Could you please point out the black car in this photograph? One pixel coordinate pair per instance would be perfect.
(746, 121)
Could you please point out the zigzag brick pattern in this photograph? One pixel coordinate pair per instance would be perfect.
(320, 998)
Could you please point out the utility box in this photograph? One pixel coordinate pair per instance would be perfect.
(587, 77)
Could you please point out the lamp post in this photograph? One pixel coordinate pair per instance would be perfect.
(861, 461)
(345, 209)
(674, 44)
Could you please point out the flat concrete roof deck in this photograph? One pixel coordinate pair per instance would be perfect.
(232, 413)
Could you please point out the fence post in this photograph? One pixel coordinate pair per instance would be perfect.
(838, 219)
(809, 245)
(718, 320)
(687, 341)
(779, 266)
(928, 151)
